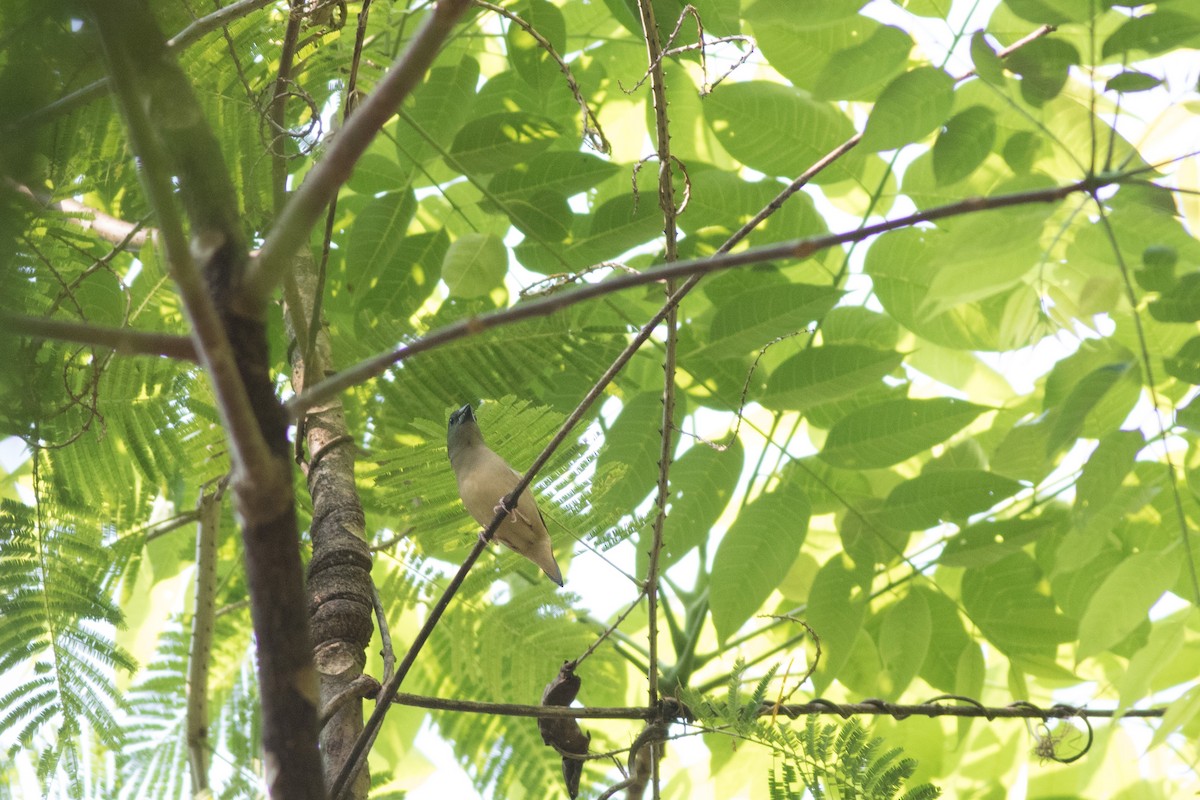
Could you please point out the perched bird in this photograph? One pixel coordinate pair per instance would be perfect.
(484, 480)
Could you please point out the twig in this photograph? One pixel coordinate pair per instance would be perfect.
(385, 634)
(107, 227)
(306, 204)
(608, 631)
(122, 340)
(666, 202)
(200, 650)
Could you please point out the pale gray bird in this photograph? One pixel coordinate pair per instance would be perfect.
(484, 480)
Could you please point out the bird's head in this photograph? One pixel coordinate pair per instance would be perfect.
(463, 430)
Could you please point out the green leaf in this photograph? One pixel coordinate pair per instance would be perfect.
(627, 465)
(1166, 640)
(1052, 12)
(439, 107)
(857, 72)
(499, 141)
(989, 541)
(824, 374)
(755, 555)
(406, 280)
(944, 496)
(983, 255)
(1179, 713)
(893, 431)
(837, 605)
(899, 266)
(529, 59)
(545, 216)
(753, 318)
(375, 173)
(904, 640)
(101, 298)
(1008, 601)
(702, 483)
(475, 264)
(799, 45)
(1123, 600)
(1112, 388)
(1158, 268)
(567, 174)
(911, 107)
(948, 639)
(1182, 304)
(1043, 66)
(1132, 81)
(779, 130)
(1101, 480)
(379, 235)
(1185, 364)
(1153, 33)
(964, 143)
(988, 65)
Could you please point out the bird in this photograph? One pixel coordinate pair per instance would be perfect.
(484, 480)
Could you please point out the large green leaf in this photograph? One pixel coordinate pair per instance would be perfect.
(409, 276)
(1123, 600)
(379, 235)
(755, 554)
(964, 143)
(1008, 602)
(1153, 33)
(909, 109)
(981, 256)
(947, 641)
(566, 173)
(904, 640)
(474, 265)
(499, 141)
(1102, 477)
(944, 496)
(901, 273)
(837, 605)
(627, 465)
(824, 374)
(860, 71)
(895, 430)
(702, 484)
(779, 130)
(753, 318)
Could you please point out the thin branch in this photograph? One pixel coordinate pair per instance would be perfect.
(200, 650)
(790, 250)
(670, 230)
(126, 341)
(387, 651)
(933, 708)
(109, 228)
(304, 208)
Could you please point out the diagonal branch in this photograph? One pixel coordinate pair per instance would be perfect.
(691, 268)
